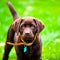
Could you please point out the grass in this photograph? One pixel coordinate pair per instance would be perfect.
(48, 11)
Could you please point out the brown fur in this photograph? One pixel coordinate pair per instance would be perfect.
(26, 28)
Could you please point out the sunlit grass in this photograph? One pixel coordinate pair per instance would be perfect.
(48, 11)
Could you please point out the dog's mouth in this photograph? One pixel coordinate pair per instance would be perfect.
(28, 40)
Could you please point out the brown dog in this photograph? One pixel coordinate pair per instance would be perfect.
(24, 35)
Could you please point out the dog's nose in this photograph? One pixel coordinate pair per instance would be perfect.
(27, 33)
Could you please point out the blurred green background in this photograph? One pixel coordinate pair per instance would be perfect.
(48, 11)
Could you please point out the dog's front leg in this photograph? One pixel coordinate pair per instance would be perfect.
(10, 38)
(6, 52)
(37, 57)
(19, 58)
(37, 51)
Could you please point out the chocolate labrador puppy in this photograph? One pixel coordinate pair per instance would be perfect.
(24, 35)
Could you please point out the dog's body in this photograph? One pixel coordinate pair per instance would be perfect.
(26, 28)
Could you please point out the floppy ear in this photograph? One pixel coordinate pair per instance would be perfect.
(40, 25)
(15, 25)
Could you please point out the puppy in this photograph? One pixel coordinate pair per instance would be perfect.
(24, 35)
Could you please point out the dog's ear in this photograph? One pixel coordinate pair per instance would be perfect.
(15, 25)
(13, 12)
(40, 25)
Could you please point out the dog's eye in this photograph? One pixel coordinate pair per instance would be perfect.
(22, 27)
(32, 27)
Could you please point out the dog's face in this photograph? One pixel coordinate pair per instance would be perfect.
(28, 27)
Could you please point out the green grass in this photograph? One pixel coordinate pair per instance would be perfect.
(48, 11)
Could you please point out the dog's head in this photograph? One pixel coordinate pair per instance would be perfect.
(28, 27)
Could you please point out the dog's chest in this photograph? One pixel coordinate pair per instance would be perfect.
(27, 51)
